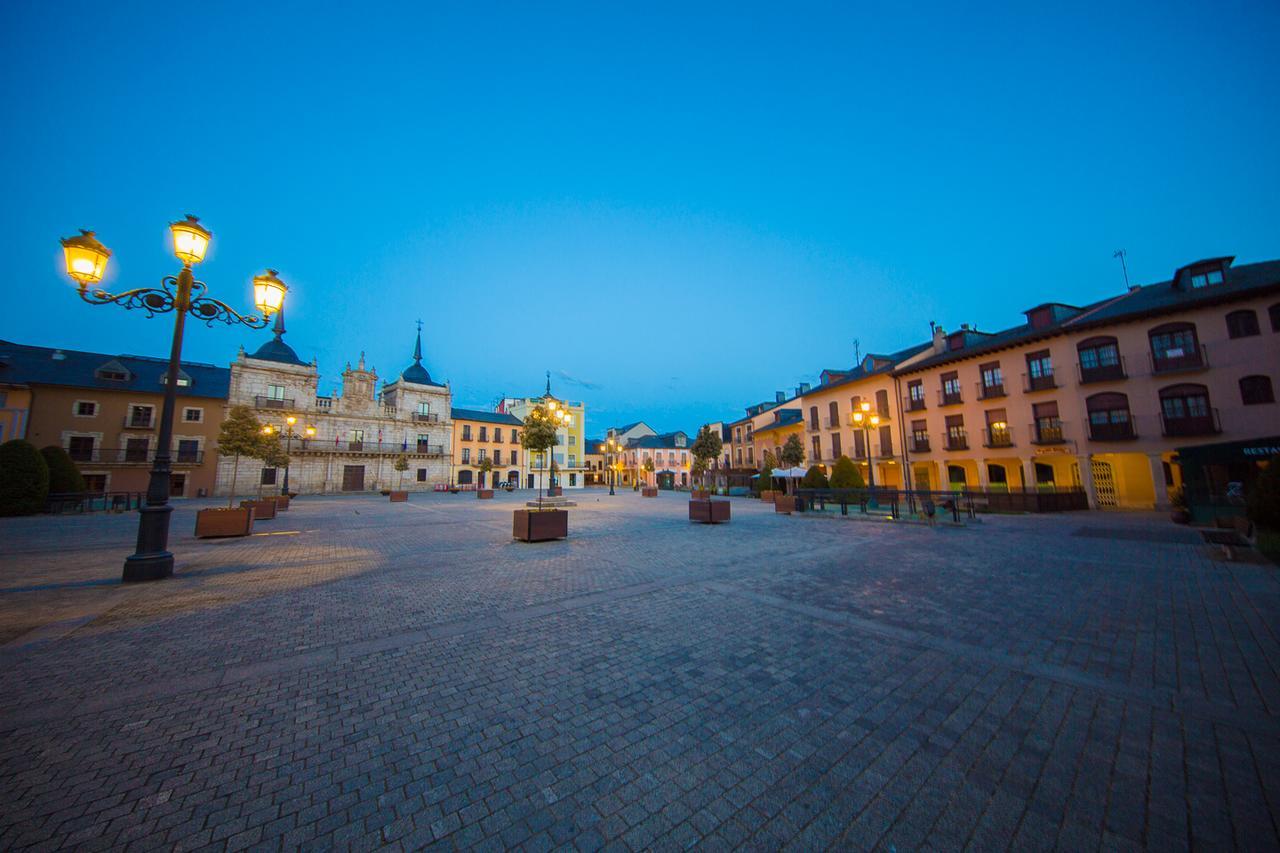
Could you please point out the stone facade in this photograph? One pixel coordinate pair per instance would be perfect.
(347, 442)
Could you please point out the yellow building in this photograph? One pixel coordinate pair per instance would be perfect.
(569, 454)
(493, 436)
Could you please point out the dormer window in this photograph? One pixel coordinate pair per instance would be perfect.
(1205, 276)
(112, 371)
(184, 381)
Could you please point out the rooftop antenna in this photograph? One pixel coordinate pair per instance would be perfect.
(1120, 253)
(857, 352)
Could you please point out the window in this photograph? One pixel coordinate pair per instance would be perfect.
(515, 436)
(188, 450)
(422, 475)
(950, 388)
(1039, 371)
(85, 409)
(915, 395)
(424, 408)
(275, 392)
(813, 417)
(886, 440)
(112, 374)
(957, 439)
(1185, 410)
(1174, 346)
(920, 436)
(466, 432)
(1109, 417)
(833, 415)
(184, 380)
(992, 380)
(998, 434)
(515, 457)
(464, 478)
(80, 447)
(357, 440)
(497, 434)
(859, 444)
(1048, 428)
(135, 449)
(1242, 324)
(817, 448)
(484, 435)
(751, 456)
(573, 460)
(1256, 390)
(573, 440)
(192, 416)
(882, 403)
(1274, 313)
(1205, 276)
(95, 483)
(835, 445)
(1099, 360)
(140, 416)
(466, 455)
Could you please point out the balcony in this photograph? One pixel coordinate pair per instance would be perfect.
(146, 421)
(811, 425)
(1043, 382)
(950, 398)
(1179, 360)
(272, 403)
(1112, 431)
(918, 443)
(1190, 425)
(885, 451)
(420, 448)
(955, 439)
(913, 404)
(133, 456)
(993, 437)
(1047, 432)
(990, 392)
(1101, 372)
(831, 423)
(324, 404)
(426, 417)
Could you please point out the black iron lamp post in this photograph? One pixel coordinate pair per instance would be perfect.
(864, 419)
(86, 261)
(289, 436)
(615, 447)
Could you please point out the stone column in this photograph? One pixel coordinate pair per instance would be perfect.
(982, 473)
(1086, 479)
(1029, 474)
(1157, 481)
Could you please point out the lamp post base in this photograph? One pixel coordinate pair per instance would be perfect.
(148, 567)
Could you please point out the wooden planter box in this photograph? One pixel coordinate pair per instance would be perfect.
(700, 494)
(224, 522)
(484, 494)
(786, 504)
(531, 525)
(263, 508)
(282, 503)
(399, 497)
(555, 491)
(709, 511)
(767, 496)
(649, 491)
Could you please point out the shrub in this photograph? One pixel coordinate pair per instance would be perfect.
(1264, 497)
(814, 478)
(64, 476)
(765, 481)
(845, 475)
(24, 478)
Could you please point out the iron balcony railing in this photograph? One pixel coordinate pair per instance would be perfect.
(272, 403)
(913, 404)
(133, 455)
(1179, 359)
(1101, 372)
(426, 417)
(418, 448)
(324, 403)
(1043, 382)
(918, 443)
(950, 398)
(1191, 424)
(955, 439)
(831, 423)
(1047, 432)
(990, 392)
(997, 437)
(1112, 431)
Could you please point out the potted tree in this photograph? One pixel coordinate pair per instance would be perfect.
(400, 465)
(486, 467)
(702, 508)
(538, 524)
(764, 484)
(239, 435)
(648, 491)
(1181, 512)
(272, 455)
(791, 456)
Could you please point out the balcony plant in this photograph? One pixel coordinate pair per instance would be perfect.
(24, 478)
(400, 466)
(239, 435)
(540, 523)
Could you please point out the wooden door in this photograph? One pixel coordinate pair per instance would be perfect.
(353, 478)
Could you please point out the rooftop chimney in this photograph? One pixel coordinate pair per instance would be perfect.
(803, 389)
(939, 338)
(779, 396)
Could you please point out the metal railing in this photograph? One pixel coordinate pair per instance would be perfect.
(418, 448)
(1191, 425)
(957, 440)
(1043, 382)
(990, 392)
(1047, 433)
(891, 503)
(323, 403)
(426, 417)
(997, 437)
(1101, 372)
(950, 398)
(133, 456)
(1175, 360)
(1123, 431)
(912, 404)
(272, 403)
(918, 443)
(60, 502)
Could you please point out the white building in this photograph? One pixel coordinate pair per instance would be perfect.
(344, 443)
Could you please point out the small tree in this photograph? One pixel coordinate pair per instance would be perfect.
(698, 470)
(791, 455)
(706, 446)
(240, 435)
(401, 465)
(1264, 498)
(845, 475)
(814, 478)
(24, 478)
(767, 464)
(539, 436)
(64, 476)
(486, 465)
(271, 454)
(648, 468)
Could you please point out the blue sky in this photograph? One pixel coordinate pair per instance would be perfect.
(677, 209)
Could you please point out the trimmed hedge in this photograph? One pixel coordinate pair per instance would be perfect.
(64, 476)
(845, 475)
(814, 478)
(24, 478)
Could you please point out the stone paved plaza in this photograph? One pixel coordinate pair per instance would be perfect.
(366, 674)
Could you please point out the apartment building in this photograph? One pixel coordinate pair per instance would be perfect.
(569, 453)
(104, 410)
(494, 436)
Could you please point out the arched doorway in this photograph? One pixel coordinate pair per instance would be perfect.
(464, 478)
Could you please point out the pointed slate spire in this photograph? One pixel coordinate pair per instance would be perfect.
(416, 372)
(548, 383)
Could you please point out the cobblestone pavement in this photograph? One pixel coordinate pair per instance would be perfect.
(366, 674)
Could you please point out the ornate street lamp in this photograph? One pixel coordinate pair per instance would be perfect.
(866, 420)
(86, 261)
(614, 448)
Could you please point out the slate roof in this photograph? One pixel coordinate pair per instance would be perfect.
(664, 441)
(622, 429)
(786, 418)
(592, 446)
(23, 364)
(486, 417)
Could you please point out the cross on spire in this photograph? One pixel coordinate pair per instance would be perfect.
(548, 383)
(417, 347)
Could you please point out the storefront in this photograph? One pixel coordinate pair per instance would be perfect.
(1217, 477)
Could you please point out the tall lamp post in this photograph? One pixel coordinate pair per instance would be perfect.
(289, 436)
(86, 261)
(866, 420)
(615, 447)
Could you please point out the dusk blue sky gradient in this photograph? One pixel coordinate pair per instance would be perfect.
(685, 206)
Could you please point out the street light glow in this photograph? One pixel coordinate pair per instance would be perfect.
(190, 240)
(86, 258)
